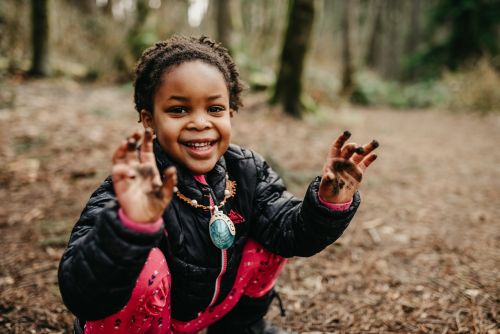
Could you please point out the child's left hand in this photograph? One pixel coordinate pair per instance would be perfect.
(343, 170)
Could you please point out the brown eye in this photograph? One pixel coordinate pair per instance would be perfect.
(216, 109)
(177, 110)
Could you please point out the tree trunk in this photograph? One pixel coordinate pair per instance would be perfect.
(465, 35)
(246, 17)
(373, 50)
(40, 37)
(347, 66)
(288, 88)
(237, 19)
(86, 6)
(223, 22)
(107, 9)
(266, 33)
(412, 39)
(135, 42)
(413, 36)
(392, 56)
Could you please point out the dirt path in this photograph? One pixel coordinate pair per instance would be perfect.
(421, 256)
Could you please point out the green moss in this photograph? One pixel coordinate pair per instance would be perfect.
(370, 90)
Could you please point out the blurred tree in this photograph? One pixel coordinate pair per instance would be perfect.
(107, 9)
(470, 29)
(250, 16)
(394, 24)
(269, 11)
(223, 23)
(86, 6)
(40, 38)
(347, 63)
(138, 39)
(413, 35)
(288, 89)
(373, 49)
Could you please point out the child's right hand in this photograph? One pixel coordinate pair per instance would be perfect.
(138, 186)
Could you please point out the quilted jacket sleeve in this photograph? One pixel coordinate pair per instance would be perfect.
(99, 268)
(290, 227)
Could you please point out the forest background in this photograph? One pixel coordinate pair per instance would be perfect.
(421, 76)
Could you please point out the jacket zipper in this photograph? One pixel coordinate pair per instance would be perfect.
(223, 254)
(219, 277)
(222, 269)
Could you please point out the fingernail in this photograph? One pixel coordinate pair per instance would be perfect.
(360, 150)
(374, 143)
(375, 156)
(347, 133)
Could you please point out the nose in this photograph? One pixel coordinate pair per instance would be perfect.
(200, 122)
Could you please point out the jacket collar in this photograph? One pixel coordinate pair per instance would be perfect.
(186, 183)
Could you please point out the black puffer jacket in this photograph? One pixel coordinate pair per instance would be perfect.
(103, 259)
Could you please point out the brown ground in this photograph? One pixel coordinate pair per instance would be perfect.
(421, 256)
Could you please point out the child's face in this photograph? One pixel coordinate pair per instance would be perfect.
(191, 115)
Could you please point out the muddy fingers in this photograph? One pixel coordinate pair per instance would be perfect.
(367, 149)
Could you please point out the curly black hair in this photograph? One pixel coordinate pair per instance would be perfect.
(157, 59)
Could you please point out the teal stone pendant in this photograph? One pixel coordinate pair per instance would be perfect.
(221, 230)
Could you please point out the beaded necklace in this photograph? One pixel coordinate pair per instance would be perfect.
(221, 228)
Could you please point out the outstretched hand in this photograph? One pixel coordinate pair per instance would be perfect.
(344, 168)
(138, 186)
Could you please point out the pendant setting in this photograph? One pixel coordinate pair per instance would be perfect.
(221, 229)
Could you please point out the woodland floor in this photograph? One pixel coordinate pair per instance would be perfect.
(422, 254)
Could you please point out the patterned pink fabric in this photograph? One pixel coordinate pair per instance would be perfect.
(148, 310)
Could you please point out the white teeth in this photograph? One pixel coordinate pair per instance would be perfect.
(199, 145)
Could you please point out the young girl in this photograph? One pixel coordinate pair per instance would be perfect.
(190, 231)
